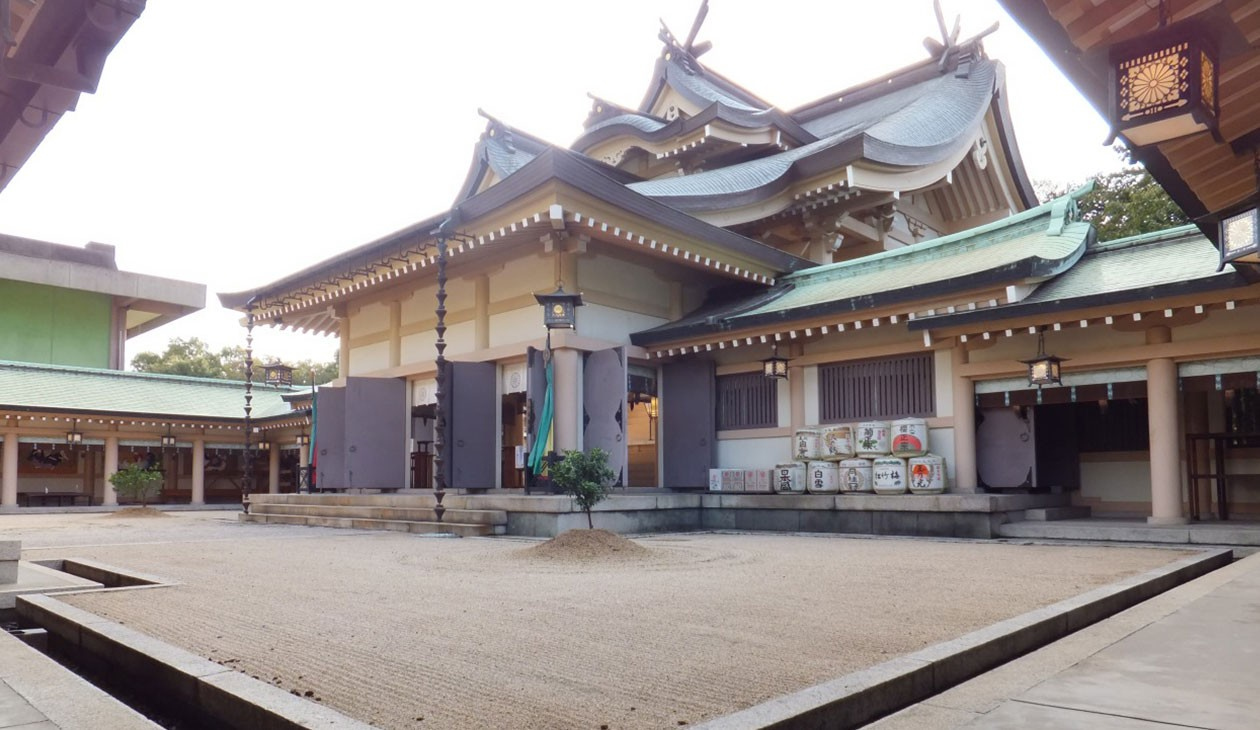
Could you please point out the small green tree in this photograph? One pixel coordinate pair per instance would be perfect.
(584, 476)
(135, 482)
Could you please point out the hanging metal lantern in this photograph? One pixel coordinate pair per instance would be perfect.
(1164, 85)
(1044, 369)
(559, 308)
(278, 374)
(774, 366)
(1240, 238)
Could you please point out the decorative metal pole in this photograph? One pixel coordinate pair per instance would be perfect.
(247, 479)
(439, 412)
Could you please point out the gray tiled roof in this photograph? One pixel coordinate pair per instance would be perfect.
(91, 390)
(917, 125)
(705, 89)
(641, 122)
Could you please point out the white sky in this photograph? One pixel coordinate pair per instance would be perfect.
(234, 143)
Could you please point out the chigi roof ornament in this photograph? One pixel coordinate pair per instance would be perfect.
(948, 47)
(690, 50)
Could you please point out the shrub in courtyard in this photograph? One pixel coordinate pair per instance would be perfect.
(584, 476)
(136, 482)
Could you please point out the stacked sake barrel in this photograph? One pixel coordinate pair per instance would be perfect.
(869, 457)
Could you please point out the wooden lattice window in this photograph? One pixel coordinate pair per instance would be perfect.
(747, 400)
(886, 387)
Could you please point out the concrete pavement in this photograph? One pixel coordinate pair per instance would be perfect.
(1186, 658)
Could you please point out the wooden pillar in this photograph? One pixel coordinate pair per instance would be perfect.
(109, 496)
(965, 479)
(9, 480)
(1196, 408)
(568, 394)
(273, 469)
(304, 460)
(198, 472)
(1163, 427)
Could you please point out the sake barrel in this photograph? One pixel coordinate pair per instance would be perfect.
(909, 437)
(888, 475)
(837, 443)
(789, 478)
(871, 439)
(855, 476)
(927, 474)
(806, 444)
(823, 477)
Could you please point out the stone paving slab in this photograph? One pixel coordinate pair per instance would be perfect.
(1185, 658)
(36, 693)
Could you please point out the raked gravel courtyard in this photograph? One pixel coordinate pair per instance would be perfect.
(410, 632)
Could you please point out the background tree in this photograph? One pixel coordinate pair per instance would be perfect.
(1123, 203)
(193, 357)
(136, 482)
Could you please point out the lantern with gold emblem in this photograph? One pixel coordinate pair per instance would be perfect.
(1164, 85)
(558, 308)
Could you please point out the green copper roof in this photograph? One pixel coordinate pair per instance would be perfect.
(88, 390)
(1031, 246)
(1142, 268)
(1152, 259)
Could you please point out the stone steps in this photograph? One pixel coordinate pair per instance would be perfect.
(463, 529)
(1049, 514)
(1103, 531)
(382, 512)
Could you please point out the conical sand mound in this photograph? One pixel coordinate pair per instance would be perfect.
(586, 545)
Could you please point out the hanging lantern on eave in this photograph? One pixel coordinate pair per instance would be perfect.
(559, 308)
(1164, 85)
(1044, 369)
(1240, 238)
(774, 366)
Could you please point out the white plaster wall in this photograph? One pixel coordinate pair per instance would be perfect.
(1116, 481)
(461, 339)
(609, 323)
(631, 281)
(761, 453)
(418, 347)
(784, 401)
(941, 443)
(525, 276)
(811, 395)
(369, 357)
(507, 328)
(369, 319)
(420, 306)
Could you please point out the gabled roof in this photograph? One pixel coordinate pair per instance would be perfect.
(502, 150)
(553, 164)
(1031, 246)
(1138, 268)
(60, 52)
(57, 388)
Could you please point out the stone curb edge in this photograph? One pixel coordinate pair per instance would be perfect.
(228, 696)
(861, 697)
